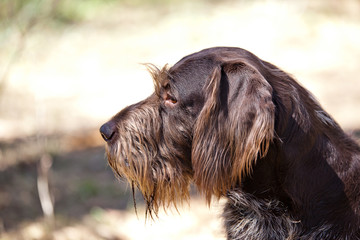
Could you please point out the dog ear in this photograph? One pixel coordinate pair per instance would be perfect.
(234, 128)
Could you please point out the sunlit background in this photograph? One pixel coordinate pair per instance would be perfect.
(66, 66)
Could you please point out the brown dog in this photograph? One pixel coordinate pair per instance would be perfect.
(240, 128)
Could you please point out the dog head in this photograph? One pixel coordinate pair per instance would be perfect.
(208, 121)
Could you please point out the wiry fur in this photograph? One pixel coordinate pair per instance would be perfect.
(146, 155)
(240, 128)
(249, 218)
(222, 156)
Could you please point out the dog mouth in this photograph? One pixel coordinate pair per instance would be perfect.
(126, 161)
(117, 160)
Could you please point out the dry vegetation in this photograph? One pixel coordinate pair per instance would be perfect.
(65, 69)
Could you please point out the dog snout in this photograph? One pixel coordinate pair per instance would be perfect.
(107, 130)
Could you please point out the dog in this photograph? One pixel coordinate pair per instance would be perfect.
(242, 129)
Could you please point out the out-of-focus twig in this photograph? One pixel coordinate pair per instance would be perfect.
(19, 49)
(47, 202)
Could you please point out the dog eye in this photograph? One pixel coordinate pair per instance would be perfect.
(170, 101)
(168, 97)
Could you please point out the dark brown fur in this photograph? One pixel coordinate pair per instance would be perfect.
(240, 128)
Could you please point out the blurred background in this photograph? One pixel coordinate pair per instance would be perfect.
(67, 66)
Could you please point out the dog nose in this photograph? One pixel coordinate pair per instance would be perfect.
(107, 130)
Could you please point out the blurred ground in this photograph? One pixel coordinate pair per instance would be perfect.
(60, 81)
